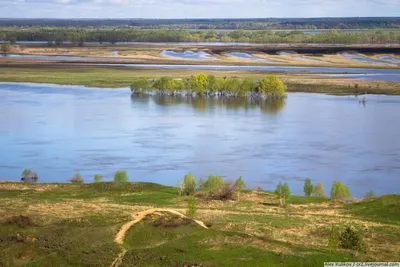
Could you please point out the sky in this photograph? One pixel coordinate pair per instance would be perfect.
(196, 8)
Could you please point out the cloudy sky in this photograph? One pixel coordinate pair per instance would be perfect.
(196, 8)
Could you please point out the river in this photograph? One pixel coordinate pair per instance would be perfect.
(59, 130)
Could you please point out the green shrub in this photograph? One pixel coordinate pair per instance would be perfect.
(121, 177)
(308, 187)
(319, 190)
(333, 238)
(192, 208)
(339, 191)
(98, 178)
(77, 179)
(352, 239)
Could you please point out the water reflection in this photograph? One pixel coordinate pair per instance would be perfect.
(203, 104)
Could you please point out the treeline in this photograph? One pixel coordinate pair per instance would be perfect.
(78, 36)
(202, 84)
(249, 24)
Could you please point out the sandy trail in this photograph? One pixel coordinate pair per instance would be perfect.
(119, 238)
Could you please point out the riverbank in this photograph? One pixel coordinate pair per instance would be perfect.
(69, 225)
(117, 77)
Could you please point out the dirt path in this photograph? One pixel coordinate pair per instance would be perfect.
(119, 238)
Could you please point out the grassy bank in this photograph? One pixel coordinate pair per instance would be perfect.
(75, 225)
(316, 55)
(116, 77)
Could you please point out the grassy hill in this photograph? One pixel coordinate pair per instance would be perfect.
(75, 225)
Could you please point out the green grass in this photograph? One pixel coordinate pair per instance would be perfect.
(66, 243)
(385, 209)
(306, 200)
(218, 248)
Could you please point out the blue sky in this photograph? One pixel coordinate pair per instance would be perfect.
(196, 8)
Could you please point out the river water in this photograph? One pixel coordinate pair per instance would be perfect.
(59, 130)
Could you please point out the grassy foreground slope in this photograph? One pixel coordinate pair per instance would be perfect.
(75, 225)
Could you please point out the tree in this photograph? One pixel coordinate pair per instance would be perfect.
(140, 84)
(98, 178)
(200, 82)
(319, 190)
(233, 85)
(161, 83)
(308, 187)
(339, 191)
(218, 85)
(77, 179)
(248, 85)
(214, 182)
(271, 86)
(29, 177)
(26, 172)
(189, 184)
(283, 192)
(201, 183)
(286, 192)
(13, 40)
(240, 185)
(121, 177)
(5, 48)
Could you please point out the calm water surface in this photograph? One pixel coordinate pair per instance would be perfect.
(58, 130)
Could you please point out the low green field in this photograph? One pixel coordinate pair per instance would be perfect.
(75, 225)
(116, 77)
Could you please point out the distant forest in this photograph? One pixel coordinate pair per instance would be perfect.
(79, 36)
(229, 24)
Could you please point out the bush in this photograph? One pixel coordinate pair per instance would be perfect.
(98, 178)
(191, 209)
(308, 187)
(370, 194)
(225, 192)
(319, 190)
(121, 177)
(21, 221)
(339, 191)
(352, 239)
(333, 237)
(77, 179)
